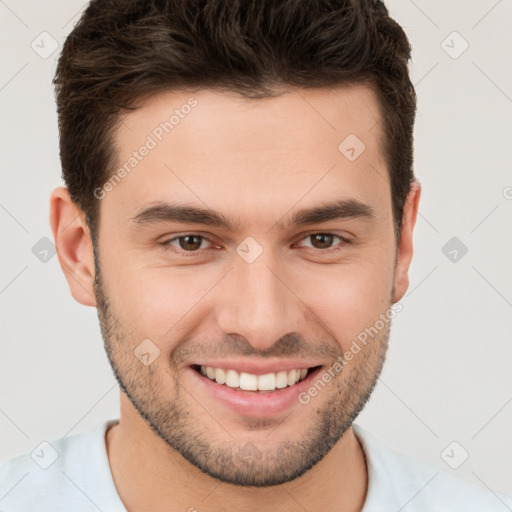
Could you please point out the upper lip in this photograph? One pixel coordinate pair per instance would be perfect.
(259, 368)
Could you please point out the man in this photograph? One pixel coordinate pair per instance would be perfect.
(239, 206)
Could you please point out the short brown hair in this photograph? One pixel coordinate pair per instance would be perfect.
(122, 51)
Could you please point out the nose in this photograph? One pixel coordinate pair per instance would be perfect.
(257, 301)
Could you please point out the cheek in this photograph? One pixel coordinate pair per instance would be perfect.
(349, 299)
(159, 303)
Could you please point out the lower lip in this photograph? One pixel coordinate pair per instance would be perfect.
(254, 403)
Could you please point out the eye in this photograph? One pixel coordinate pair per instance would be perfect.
(187, 243)
(324, 241)
(191, 244)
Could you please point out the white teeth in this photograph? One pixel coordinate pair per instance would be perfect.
(251, 382)
(220, 375)
(248, 382)
(232, 379)
(291, 377)
(281, 379)
(267, 382)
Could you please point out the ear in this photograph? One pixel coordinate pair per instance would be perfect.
(74, 245)
(405, 247)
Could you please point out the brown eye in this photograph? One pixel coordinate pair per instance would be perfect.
(321, 240)
(190, 242)
(187, 243)
(325, 242)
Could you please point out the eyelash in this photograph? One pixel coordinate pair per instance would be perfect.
(167, 244)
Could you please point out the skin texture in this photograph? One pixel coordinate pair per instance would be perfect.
(257, 163)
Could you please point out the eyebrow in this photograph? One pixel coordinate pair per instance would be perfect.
(161, 212)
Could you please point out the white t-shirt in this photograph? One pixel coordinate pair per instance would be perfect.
(72, 474)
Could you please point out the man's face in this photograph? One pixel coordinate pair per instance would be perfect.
(261, 295)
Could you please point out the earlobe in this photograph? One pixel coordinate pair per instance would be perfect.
(74, 245)
(405, 247)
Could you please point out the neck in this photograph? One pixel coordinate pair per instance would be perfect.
(149, 475)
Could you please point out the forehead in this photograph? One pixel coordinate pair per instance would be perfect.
(300, 115)
(237, 154)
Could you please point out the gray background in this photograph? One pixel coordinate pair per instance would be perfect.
(448, 376)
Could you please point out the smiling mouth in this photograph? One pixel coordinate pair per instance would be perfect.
(242, 381)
